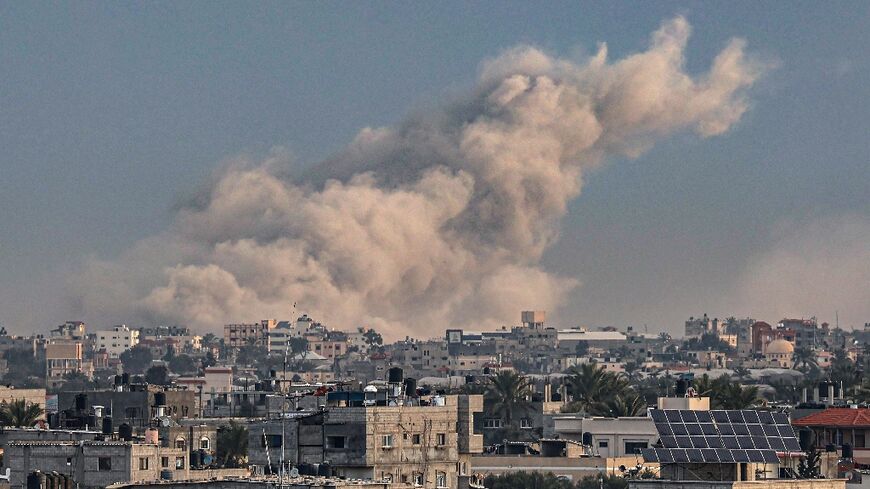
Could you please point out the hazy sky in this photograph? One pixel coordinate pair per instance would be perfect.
(111, 114)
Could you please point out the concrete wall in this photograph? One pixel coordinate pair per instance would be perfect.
(765, 484)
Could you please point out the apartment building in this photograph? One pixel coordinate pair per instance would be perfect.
(117, 340)
(94, 464)
(257, 334)
(426, 446)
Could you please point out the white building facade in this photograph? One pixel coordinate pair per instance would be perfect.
(117, 340)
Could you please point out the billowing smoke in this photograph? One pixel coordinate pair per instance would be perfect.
(440, 220)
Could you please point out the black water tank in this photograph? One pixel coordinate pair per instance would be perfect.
(324, 470)
(846, 451)
(411, 387)
(81, 402)
(587, 438)
(682, 387)
(125, 378)
(125, 432)
(107, 426)
(119, 380)
(806, 438)
(159, 398)
(273, 374)
(830, 447)
(395, 375)
(34, 480)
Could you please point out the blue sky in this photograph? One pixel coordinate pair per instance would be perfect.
(112, 113)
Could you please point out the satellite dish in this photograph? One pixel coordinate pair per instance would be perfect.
(294, 472)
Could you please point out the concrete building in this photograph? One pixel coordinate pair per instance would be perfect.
(807, 333)
(269, 482)
(135, 405)
(609, 437)
(94, 464)
(839, 426)
(256, 334)
(63, 357)
(422, 445)
(117, 340)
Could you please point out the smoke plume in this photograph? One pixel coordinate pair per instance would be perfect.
(440, 220)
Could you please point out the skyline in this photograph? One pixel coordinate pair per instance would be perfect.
(640, 237)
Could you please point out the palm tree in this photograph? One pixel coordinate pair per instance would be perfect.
(804, 359)
(735, 396)
(19, 413)
(621, 406)
(232, 444)
(585, 383)
(510, 392)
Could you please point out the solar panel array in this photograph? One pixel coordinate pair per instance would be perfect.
(731, 436)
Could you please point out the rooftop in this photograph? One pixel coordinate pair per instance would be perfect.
(837, 417)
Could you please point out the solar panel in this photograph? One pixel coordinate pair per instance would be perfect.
(650, 454)
(755, 456)
(721, 436)
(770, 457)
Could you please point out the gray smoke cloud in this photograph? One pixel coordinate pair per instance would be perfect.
(819, 268)
(440, 220)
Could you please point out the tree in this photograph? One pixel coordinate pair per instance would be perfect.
(182, 365)
(581, 349)
(373, 338)
(620, 406)
(804, 358)
(735, 396)
(810, 464)
(510, 392)
(19, 413)
(25, 370)
(137, 359)
(76, 381)
(590, 384)
(298, 345)
(843, 370)
(603, 481)
(157, 375)
(232, 445)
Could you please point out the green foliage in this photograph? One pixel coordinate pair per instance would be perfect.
(804, 359)
(538, 480)
(136, 360)
(24, 369)
(182, 365)
(621, 405)
(76, 381)
(510, 392)
(591, 385)
(19, 413)
(810, 465)
(527, 480)
(373, 338)
(725, 394)
(157, 375)
(232, 445)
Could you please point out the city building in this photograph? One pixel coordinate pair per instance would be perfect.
(94, 464)
(62, 357)
(421, 445)
(117, 340)
(253, 334)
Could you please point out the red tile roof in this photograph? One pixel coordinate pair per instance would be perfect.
(837, 417)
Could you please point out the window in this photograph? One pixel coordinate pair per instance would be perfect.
(143, 463)
(387, 441)
(525, 423)
(859, 439)
(204, 443)
(415, 439)
(634, 447)
(602, 444)
(164, 462)
(441, 439)
(492, 423)
(441, 479)
(418, 479)
(179, 463)
(104, 464)
(179, 442)
(271, 441)
(335, 442)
